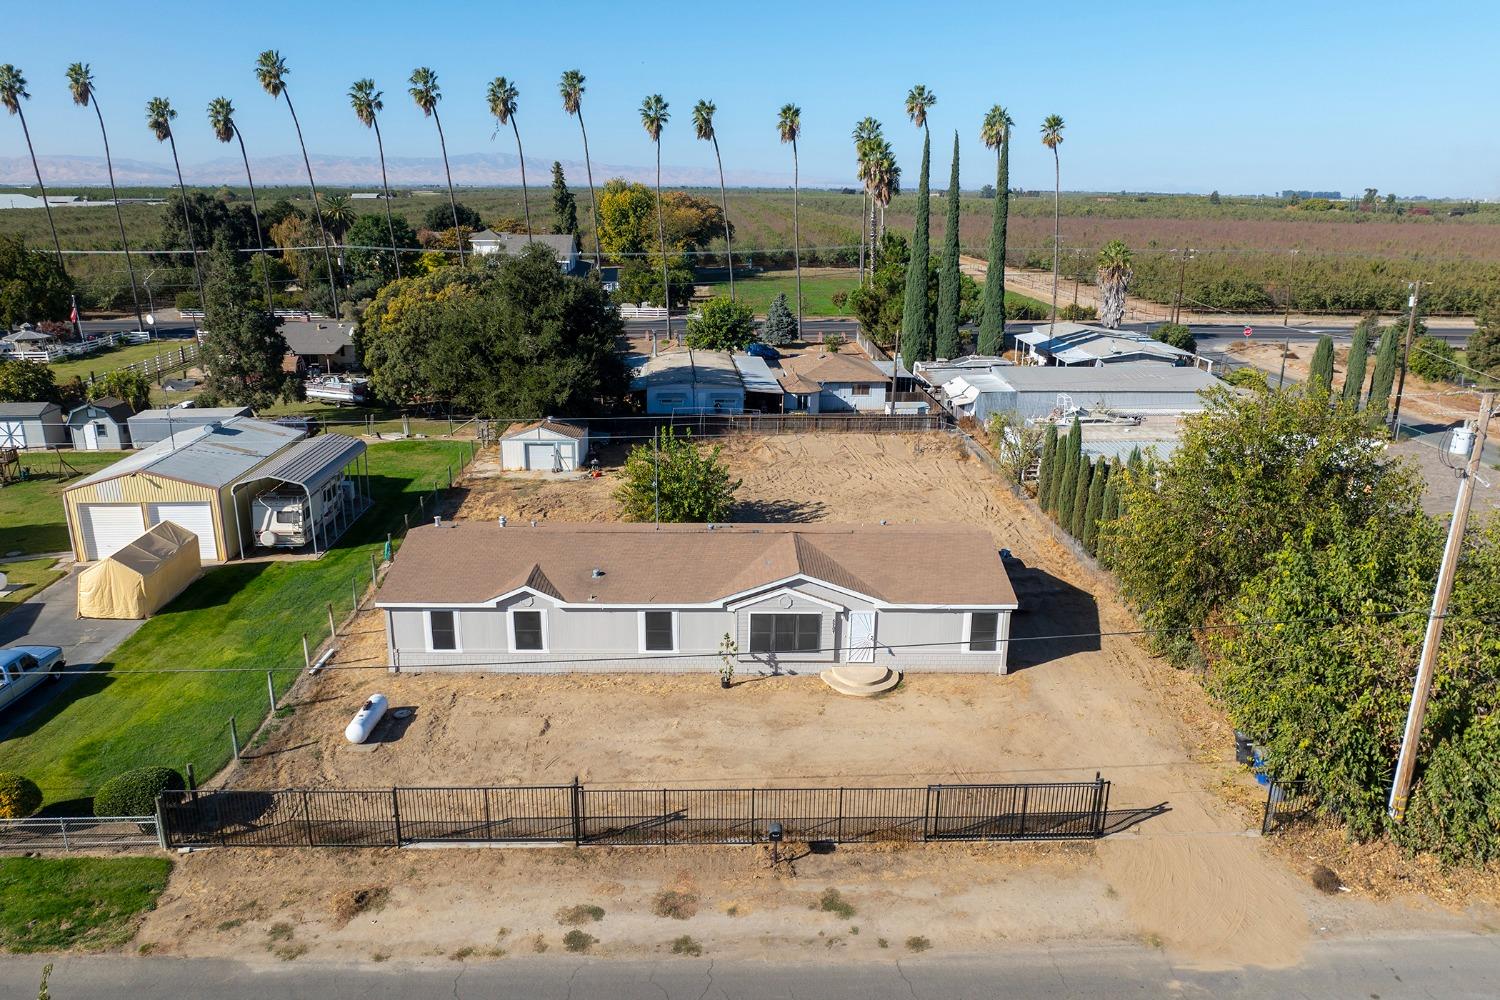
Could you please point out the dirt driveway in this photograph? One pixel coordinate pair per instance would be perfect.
(1190, 877)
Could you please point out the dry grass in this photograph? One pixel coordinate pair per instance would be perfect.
(352, 902)
(584, 913)
(832, 901)
(675, 904)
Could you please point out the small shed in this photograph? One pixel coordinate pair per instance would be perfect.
(544, 446)
(141, 578)
(102, 425)
(32, 425)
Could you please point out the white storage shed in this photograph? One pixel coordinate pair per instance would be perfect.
(544, 446)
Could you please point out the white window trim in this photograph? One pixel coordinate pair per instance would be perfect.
(458, 632)
(640, 617)
(510, 621)
(968, 640)
(795, 652)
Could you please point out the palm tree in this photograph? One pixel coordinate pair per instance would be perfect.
(918, 100)
(995, 134)
(81, 84)
(365, 100)
(789, 126)
(1114, 279)
(866, 134)
(12, 93)
(1052, 137)
(887, 185)
(338, 210)
(424, 90)
(221, 119)
(502, 97)
(571, 88)
(703, 124)
(159, 115)
(271, 71)
(654, 118)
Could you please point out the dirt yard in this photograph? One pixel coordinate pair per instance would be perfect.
(1184, 873)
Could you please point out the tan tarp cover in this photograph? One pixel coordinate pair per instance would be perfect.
(143, 576)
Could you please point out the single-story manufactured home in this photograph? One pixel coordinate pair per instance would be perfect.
(327, 345)
(545, 445)
(101, 425)
(32, 425)
(1032, 391)
(186, 479)
(151, 426)
(846, 382)
(691, 382)
(1080, 344)
(768, 598)
(564, 246)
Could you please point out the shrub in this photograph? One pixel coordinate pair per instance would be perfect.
(832, 901)
(134, 792)
(686, 945)
(675, 905)
(584, 913)
(1075, 313)
(723, 325)
(578, 942)
(1432, 359)
(1176, 335)
(19, 797)
(1247, 378)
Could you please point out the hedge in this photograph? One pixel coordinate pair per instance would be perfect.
(133, 793)
(19, 797)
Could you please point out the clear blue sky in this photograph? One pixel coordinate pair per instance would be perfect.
(1166, 95)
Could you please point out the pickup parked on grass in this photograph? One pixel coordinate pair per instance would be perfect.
(23, 668)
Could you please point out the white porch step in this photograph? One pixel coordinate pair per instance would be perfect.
(860, 680)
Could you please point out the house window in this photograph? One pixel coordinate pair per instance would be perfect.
(442, 626)
(657, 632)
(861, 390)
(784, 633)
(526, 630)
(984, 631)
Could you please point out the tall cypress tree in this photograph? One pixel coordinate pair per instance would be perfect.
(1384, 377)
(564, 205)
(1062, 502)
(1320, 369)
(916, 333)
(1044, 474)
(1108, 511)
(992, 323)
(948, 274)
(1081, 497)
(1359, 358)
(1095, 508)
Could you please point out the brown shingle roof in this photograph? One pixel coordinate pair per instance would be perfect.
(562, 427)
(472, 562)
(834, 368)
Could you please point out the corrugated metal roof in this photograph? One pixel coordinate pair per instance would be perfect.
(313, 461)
(1128, 377)
(756, 374)
(212, 455)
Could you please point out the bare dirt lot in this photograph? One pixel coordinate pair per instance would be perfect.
(1184, 873)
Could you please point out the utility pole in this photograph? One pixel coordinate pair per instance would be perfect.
(1411, 325)
(1286, 348)
(1401, 787)
(1286, 319)
(1181, 282)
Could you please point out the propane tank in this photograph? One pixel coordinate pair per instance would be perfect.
(366, 719)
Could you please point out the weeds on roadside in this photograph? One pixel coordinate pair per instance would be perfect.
(918, 944)
(675, 905)
(578, 942)
(584, 913)
(832, 901)
(685, 945)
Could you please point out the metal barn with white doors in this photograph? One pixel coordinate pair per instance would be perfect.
(544, 446)
(186, 479)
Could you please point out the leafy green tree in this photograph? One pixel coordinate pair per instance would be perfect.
(564, 205)
(722, 325)
(780, 327)
(916, 326)
(640, 281)
(123, 383)
(368, 251)
(1109, 509)
(1433, 359)
(1048, 464)
(1176, 335)
(1320, 369)
(1015, 443)
(242, 347)
(946, 345)
(996, 135)
(1378, 403)
(1247, 378)
(517, 339)
(1359, 359)
(1078, 510)
(1250, 470)
(27, 382)
(673, 480)
(1483, 349)
(1067, 483)
(33, 286)
(1213, 198)
(439, 219)
(1095, 508)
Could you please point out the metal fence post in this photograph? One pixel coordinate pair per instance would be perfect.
(354, 593)
(306, 654)
(234, 738)
(161, 825)
(373, 580)
(62, 826)
(271, 691)
(839, 830)
(577, 812)
(664, 821)
(396, 815)
(332, 629)
(307, 818)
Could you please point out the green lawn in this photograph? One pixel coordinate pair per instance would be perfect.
(30, 575)
(817, 291)
(31, 513)
(246, 617)
(117, 357)
(51, 904)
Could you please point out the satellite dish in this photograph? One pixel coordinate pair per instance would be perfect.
(268, 538)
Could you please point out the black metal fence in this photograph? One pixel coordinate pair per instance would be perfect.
(579, 815)
(1288, 803)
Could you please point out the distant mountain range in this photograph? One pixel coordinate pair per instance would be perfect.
(469, 170)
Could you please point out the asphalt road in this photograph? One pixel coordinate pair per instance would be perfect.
(1452, 967)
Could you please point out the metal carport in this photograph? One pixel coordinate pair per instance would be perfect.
(311, 464)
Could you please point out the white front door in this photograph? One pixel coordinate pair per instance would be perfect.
(108, 527)
(861, 637)
(91, 436)
(195, 517)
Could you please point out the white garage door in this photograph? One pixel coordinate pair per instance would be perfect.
(195, 517)
(542, 457)
(108, 527)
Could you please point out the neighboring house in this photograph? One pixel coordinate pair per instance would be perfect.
(934, 373)
(770, 598)
(101, 425)
(564, 246)
(32, 425)
(1078, 344)
(1155, 436)
(151, 426)
(1032, 391)
(846, 382)
(690, 382)
(330, 346)
(544, 446)
(186, 479)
